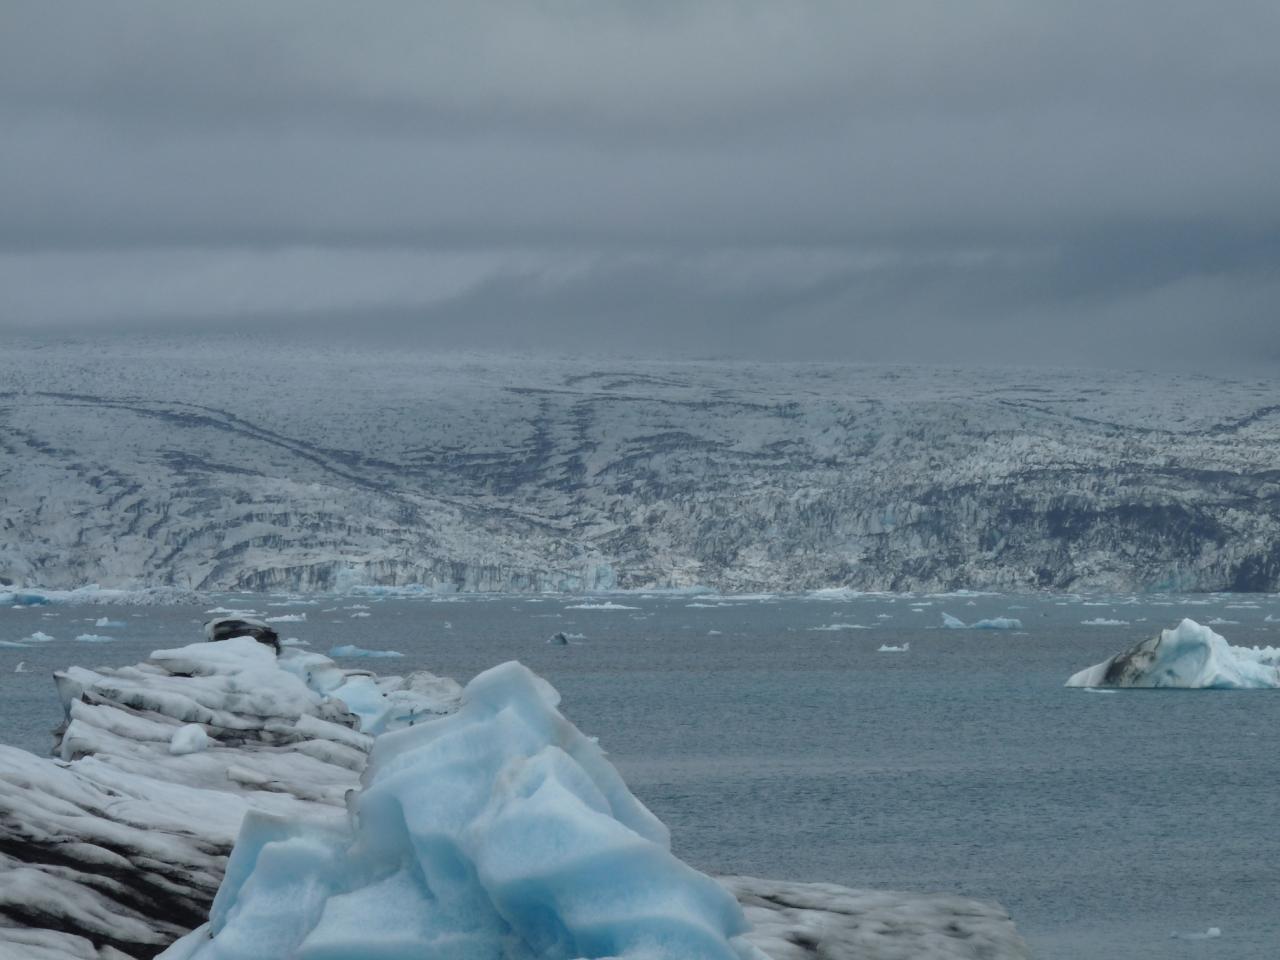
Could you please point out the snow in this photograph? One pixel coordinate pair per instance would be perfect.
(498, 831)
(350, 650)
(994, 623)
(189, 738)
(1190, 656)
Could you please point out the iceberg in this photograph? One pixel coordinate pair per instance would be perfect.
(349, 650)
(499, 831)
(994, 623)
(1190, 656)
(117, 847)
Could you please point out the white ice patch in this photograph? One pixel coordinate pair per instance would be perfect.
(994, 623)
(498, 832)
(1190, 656)
(108, 622)
(351, 650)
(288, 618)
(840, 626)
(1104, 622)
(606, 605)
(38, 637)
(189, 738)
(890, 648)
(94, 638)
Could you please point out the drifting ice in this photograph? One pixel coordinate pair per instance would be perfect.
(995, 623)
(500, 831)
(1188, 656)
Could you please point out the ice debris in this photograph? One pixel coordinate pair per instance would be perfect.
(351, 650)
(994, 623)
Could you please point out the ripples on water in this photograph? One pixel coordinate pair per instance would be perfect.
(771, 746)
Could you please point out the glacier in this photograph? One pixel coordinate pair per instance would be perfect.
(122, 464)
(377, 788)
(1190, 656)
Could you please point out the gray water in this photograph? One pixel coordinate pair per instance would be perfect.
(1103, 822)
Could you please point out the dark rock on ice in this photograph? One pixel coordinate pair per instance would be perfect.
(224, 628)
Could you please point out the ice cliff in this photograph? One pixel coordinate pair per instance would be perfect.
(479, 822)
(1190, 656)
(132, 463)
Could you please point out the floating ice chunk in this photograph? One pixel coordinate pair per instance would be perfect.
(94, 638)
(351, 650)
(288, 618)
(38, 637)
(1104, 622)
(1220, 622)
(606, 605)
(361, 613)
(1211, 934)
(108, 622)
(840, 626)
(994, 623)
(189, 738)
(713, 633)
(1188, 656)
(890, 648)
(498, 832)
(21, 667)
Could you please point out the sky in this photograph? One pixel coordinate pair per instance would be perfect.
(991, 181)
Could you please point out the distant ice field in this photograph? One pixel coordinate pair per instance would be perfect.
(774, 739)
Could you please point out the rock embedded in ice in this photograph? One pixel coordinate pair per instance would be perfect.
(1190, 656)
(500, 831)
(224, 628)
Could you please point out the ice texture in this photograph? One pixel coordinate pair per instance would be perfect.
(500, 831)
(1190, 656)
(189, 738)
(351, 650)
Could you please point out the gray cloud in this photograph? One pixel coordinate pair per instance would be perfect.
(877, 181)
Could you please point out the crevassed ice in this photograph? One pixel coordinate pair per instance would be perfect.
(1190, 655)
(500, 831)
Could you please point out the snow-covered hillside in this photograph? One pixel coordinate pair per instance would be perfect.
(235, 464)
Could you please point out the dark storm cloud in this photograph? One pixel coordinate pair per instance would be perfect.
(983, 180)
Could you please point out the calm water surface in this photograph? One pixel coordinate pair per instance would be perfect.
(773, 746)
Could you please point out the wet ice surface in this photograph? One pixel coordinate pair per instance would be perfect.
(1103, 823)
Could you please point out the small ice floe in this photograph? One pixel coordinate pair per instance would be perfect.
(288, 618)
(713, 633)
(94, 638)
(361, 613)
(1211, 934)
(294, 642)
(351, 650)
(840, 626)
(1096, 690)
(993, 623)
(357, 606)
(606, 605)
(38, 637)
(189, 738)
(1220, 622)
(884, 616)
(890, 648)
(1104, 622)
(446, 625)
(21, 667)
(108, 622)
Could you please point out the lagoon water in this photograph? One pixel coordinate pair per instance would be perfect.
(774, 739)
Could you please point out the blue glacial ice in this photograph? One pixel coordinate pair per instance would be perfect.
(498, 832)
(1190, 656)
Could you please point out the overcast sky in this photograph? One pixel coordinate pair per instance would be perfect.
(1082, 182)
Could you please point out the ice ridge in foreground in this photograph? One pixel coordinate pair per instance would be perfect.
(1190, 656)
(500, 831)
